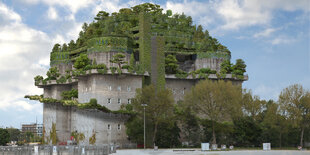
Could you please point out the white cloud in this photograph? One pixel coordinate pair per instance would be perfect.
(22, 50)
(113, 5)
(73, 6)
(52, 13)
(266, 33)
(267, 92)
(282, 40)
(234, 14)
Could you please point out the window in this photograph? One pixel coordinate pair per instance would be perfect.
(118, 126)
(119, 101)
(119, 88)
(129, 101)
(173, 91)
(183, 92)
(109, 100)
(128, 88)
(110, 87)
(109, 127)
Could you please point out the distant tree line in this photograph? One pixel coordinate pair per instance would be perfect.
(222, 113)
(12, 134)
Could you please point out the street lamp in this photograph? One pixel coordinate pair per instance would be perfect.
(144, 105)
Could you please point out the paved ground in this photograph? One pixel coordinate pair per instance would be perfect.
(198, 152)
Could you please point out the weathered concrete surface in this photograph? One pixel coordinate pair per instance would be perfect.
(179, 87)
(198, 152)
(54, 91)
(109, 87)
(109, 128)
(212, 63)
(105, 57)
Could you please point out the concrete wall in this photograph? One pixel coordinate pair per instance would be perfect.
(179, 87)
(104, 87)
(54, 91)
(71, 119)
(212, 63)
(63, 68)
(93, 121)
(105, 57)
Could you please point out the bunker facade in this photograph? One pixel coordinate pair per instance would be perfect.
(153, 48)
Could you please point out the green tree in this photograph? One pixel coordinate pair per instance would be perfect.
(217, 101)
(239, 68)
(251, 105)
(14, 134)
(101, 15)
(295, 101)
(82, 61)
(159, 106)
(226, 67)
(4, 136)
(171, 65)
(56, 48)
(119, 60)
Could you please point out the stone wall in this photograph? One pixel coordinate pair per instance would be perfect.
(109, 90)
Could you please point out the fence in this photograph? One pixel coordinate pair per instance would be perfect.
(57, 150)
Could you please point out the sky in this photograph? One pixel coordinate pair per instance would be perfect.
(271, 36)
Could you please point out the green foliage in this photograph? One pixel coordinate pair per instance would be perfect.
(247, 132)
(92, 104)
(216, 101)
(171, 66)
(69, 95)
(81, 62)
(38, 79)
(53, 134)
(92, 139)
(239, 68)
(159, 109)
(118, 59)
(62, 79)
(53, 73)
(4, 136)
(181, 74)
(113, 69)
(78, 136)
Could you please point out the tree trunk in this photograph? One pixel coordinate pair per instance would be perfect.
(213, 134)
(302, 136)
(155, 131)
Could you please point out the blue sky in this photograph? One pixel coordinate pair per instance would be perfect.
(272, 36)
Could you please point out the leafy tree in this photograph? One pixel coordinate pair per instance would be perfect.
(81, 62)
(239, 68)
(275, 125)
(171, 65)
(4, 136)
(295, 101)
(101, 15)
(64, 47)
(14, 134)
(53, 73)
(71, 45)
(119, 60)
(56, 48)
(217, 101)
(226, 67)
(251, 105)
(159, 106)
(247, 132)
